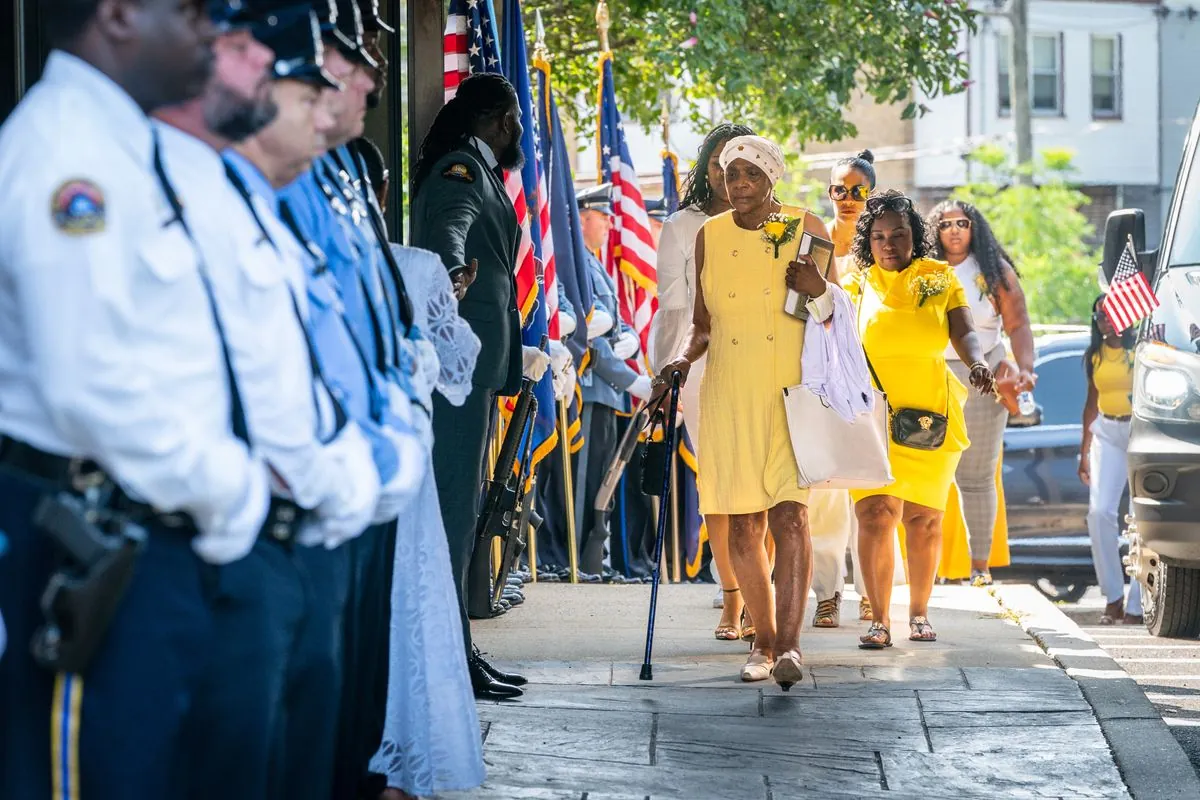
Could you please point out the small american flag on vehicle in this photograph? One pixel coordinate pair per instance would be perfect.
(1129, 299)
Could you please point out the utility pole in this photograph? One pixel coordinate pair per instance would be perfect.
(1018, 76)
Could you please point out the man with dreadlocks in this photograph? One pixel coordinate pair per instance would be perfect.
(462, 213)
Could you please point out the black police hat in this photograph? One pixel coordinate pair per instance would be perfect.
(372, 22)
(341, 21)
(295, 35)
(596, 198)
(228, 15)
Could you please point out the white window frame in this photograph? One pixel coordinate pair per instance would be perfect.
(1115, 111)
(1002, 80)
(1057, 73)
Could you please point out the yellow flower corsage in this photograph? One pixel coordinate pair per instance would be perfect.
(929, 281)
(779, 229)
(981, 285)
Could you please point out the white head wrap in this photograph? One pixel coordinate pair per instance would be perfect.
(762, 153)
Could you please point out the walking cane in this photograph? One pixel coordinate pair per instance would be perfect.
(663, 509)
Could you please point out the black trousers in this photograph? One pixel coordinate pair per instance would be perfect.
(552, 505)
(594, 459)
(459, 449)
(366, 632)
(636, 512)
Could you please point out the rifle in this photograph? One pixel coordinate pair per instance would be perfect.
(504, 502)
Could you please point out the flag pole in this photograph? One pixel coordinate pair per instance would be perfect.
(542, 53)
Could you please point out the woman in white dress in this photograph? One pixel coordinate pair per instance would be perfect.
(704, 197)
(431, 742)
(831, 516)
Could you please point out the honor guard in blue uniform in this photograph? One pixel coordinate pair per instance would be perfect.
(125, 465)
(332, 215)
(275, 670)
(461, 212)
(606, 384)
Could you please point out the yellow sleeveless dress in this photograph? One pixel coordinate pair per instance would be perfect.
(906, 343)
(754, 351)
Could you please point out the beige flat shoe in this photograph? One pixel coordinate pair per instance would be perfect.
(787, 670)
(757, 668)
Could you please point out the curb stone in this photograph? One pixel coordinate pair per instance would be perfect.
(1149, 758)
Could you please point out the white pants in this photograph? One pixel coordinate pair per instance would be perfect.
(834, 526)
(1109, 474)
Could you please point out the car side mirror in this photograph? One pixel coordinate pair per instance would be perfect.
(1120, 226)
(1030, 420)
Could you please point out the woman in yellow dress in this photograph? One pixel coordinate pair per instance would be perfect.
(909, 308)
(747, 468)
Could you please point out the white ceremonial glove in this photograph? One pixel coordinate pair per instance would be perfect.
(560, 356)
(640, 388)
(228, 537)
(626, 345)
(600, 324)
(562, 370)
(350, 508)
(396, 494)
(566, 325)
(534, 362)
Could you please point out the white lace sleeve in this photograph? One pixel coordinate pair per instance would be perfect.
(457, 345)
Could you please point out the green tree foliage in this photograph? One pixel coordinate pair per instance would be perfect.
(787, 67)
(1043, 229)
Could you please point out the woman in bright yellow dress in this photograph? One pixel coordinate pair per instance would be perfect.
(754, 349)
(909, 308)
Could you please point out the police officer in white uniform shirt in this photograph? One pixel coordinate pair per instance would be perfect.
(271, 602)
(112, 377)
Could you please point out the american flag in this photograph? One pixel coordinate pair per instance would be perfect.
(532, 295)
(1129, 299)
(469, 43)
(631, 256)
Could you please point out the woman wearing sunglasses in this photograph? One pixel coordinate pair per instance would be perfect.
(1102, 460)
(831, 514)
(909, 309)
(966, 242)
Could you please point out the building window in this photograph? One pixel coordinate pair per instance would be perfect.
(1003, 79)
(1045, 88)
(1106, 76)
(1046, 79)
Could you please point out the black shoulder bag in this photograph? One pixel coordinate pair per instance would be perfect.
(917, 428)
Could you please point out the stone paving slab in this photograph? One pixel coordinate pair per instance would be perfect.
(984, 713)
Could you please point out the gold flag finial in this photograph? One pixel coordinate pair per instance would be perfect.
(666, 120)
(603, 22)
(540, 51)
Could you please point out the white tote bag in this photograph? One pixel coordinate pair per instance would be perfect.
(833, 453)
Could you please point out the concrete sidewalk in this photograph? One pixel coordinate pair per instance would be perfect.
(982, 713)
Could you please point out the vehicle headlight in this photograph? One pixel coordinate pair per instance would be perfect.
(1164, 386)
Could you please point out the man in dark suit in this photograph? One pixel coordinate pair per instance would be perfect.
(461, 212)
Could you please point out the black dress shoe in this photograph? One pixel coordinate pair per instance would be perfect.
(513, 597)
(612, 576)
(510, 678)
(487, 687)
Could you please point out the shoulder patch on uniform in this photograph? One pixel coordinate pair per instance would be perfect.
(77, 207)
(459, 172)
